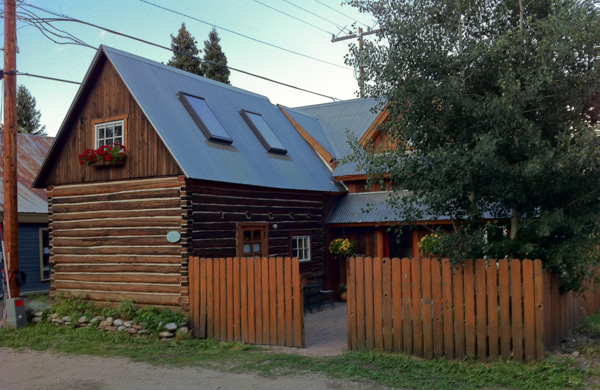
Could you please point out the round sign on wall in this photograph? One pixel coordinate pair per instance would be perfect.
(173, 236)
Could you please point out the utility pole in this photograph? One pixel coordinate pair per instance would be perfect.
(361, 80)
(11, 219)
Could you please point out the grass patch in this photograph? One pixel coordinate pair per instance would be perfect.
(384, 369)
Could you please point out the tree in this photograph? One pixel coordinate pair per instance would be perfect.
(214, 53)
(28, 117)
(498, 101)
(184, 42)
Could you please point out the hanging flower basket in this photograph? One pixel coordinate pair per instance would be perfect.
(105, 156)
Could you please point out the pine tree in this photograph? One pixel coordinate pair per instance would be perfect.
(28, 117)
(214, 53)
(184, 42)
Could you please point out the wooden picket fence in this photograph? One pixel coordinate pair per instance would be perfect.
(252, 300)
(489, 309)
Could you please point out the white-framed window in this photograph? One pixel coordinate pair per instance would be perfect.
(44, 254)
(108, 133)
(301, 247)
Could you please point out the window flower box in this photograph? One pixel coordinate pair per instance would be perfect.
(105, 156)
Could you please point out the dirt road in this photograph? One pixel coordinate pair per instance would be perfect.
(31, 370)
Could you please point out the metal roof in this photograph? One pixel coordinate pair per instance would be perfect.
(337, 119)
(363, 207)
(31, 151)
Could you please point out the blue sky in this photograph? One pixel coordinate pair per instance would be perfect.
(39, 55)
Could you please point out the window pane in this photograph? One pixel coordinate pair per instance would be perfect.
(109, 131)
(118, 130)
(264, 133)
(216, 131)
(101, 143)
(108, 141)
(101, 132)
(119, 140)
(256, 248)
(246, 248)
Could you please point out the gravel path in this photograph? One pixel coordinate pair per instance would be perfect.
(31, 370)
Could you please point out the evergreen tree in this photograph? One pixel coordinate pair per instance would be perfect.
(498, 100)
(214, 53)
(28, 117)
(184, 42)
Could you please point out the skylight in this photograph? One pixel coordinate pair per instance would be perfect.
(263, 132)
(205, 119)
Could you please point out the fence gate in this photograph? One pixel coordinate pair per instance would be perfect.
(252, 300)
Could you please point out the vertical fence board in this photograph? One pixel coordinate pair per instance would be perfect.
(281, 304)
(223, 298)
(417, 309)
(459, 314)
(407, 331)
(427, 309)
(386, 271)
(528, 310)
(289, 302)
(538, 281)
(266, 326)
(203, 297)
(194, 293)
(258, 300)
(237, 315)
(481, 309)
(273, 300)
(369, 335)
(244, 298)
(492, 314)
(397, 302)
(516, 295)
(378, 303)
(447, 313)
(469, 293)
(230, 285)
(436, 293)
(299, 340)
(505, 327)
(358, 335)
(214, 312)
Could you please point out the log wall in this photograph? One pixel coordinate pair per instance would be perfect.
(215, 209)
(108, 241)
(107, 98)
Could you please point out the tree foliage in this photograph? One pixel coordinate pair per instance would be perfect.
(184, 42)
(214, 53)
(498, 102)
(28, 117)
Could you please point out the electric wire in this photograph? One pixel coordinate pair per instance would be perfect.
(314, 14)
(341, 13)
(292, 16)
(241, 35)
(42, 77)
(66, 18)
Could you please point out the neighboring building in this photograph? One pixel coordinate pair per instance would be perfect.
(212, 171)
(34, 254)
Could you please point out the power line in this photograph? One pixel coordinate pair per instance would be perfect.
(38, 76)
(65, 18)
(241, 35)
(314, 14)
(340, 12)
(292, 16)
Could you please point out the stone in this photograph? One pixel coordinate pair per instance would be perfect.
(121, 328)
(82, 319)
(118, 322)
(83, 324)
(66, 318)
(183, 323)
(109, 320)
(103, 324)
(55, 316)
(128, 324)
(95, 320)
(142, 331)
(166, 335)
(137, 327)
(132, 330)
(110, 328)
(171, 326)
(36, 320)
(58, 321)
(183, 329)
(575, 354)
(38, 314)
(67, 323)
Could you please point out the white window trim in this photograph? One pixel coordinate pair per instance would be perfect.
(300, 239)
(41, 252)
(105, 124)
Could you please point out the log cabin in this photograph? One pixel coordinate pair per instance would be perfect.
(210, 170)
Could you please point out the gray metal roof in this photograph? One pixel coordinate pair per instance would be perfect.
(363, 207)
(155, 87)
(339, 118)
(31, 151)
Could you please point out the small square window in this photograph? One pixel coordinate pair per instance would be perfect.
(108, 133)
(301, 247)
(205, 119)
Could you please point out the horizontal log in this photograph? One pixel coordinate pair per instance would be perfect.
(114, 241)
(125, 250)
(112, 232)
(67, 259)
(94, 215)
(249, 199)
(126, 195)
(107, 277)
(118, 267)
(240, 216)
(127, 206)
(116, 296)
(114, 187)
(267, 209)
(174, 221)
(236, 190)
(129, 287)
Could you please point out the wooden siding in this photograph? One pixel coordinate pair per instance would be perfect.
(108, 241)
(252, 300)
(29, 258)
(106, 97)
(215, 209)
